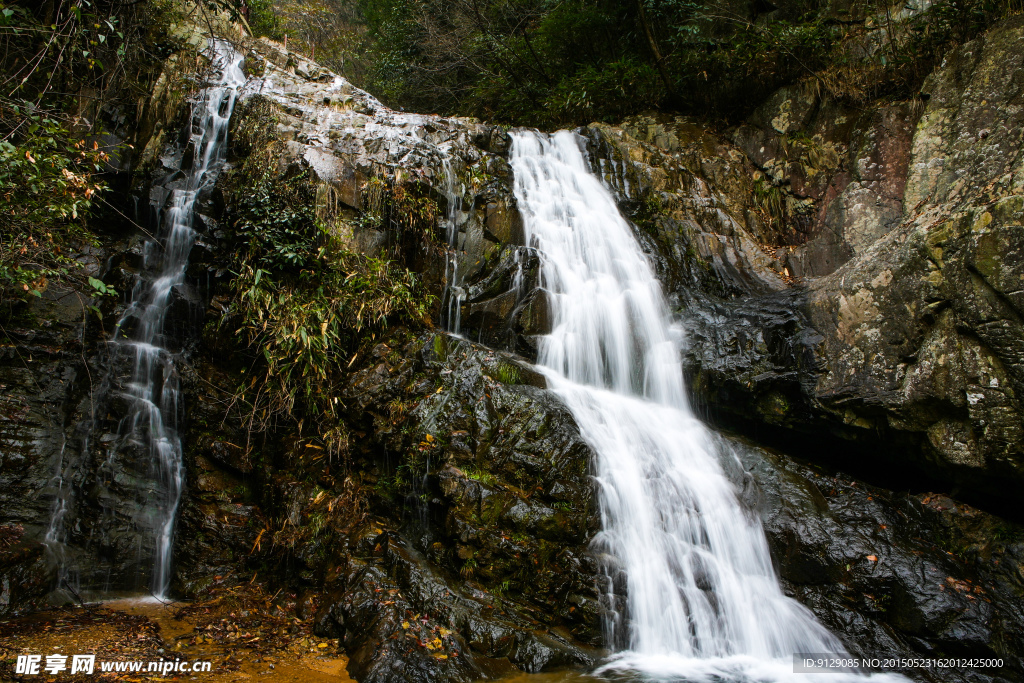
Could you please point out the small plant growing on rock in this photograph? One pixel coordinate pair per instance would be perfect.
(303, 302)
(468, 569)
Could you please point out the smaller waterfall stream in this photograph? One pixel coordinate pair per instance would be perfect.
(687, 567)
(454, 292)
(154, 389)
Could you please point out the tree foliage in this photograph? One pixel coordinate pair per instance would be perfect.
(330, 31)
(548, 63)
(69, 71)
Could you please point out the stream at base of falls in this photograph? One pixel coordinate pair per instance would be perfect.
(687, 575)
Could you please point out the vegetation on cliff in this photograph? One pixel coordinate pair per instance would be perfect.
(72, 72)
(554, 64)
(330, 31)
(305, 302)
(50, 159)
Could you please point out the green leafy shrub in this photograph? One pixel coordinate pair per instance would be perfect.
(303, 301)
(72, 69)
(48, 184)
(264, 19)
(308, 326)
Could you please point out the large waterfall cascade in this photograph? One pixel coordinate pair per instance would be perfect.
(687, 569)
(153, 391)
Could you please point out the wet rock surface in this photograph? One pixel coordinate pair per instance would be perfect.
(892, 574)
(690, 199)
(904, 353)
(498, 507)
(473, 258)
(60, 418)
(41, 373)
(456, 547)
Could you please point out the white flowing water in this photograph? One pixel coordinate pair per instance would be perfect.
(154, 389)
(687, 563)
(454, 291)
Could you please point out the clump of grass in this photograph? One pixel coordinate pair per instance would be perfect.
(304, 302)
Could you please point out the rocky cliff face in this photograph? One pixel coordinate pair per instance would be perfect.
(847, 280)
(879, 309)
(61, 396)
(464, 499)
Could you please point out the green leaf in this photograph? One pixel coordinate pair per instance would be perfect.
(101, 287)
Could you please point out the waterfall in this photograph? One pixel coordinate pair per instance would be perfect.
(154, 389)
(687, 571)
(454, 291)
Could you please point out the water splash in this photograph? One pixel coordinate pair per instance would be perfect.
(154, 390)
(688, 576)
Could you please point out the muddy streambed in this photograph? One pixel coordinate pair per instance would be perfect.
(243, 632)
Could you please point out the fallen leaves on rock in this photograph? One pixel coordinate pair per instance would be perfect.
(232, 627)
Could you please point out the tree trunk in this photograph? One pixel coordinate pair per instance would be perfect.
(659, 61)
(47, 12)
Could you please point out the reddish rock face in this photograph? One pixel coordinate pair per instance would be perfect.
(904, 329)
